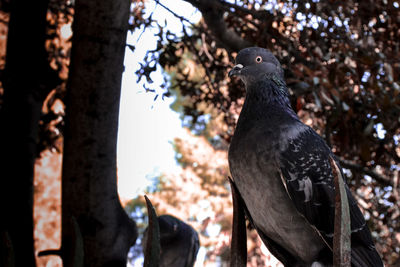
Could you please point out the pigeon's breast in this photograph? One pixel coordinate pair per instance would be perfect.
(252, 161)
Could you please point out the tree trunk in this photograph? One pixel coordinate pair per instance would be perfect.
(24, 92)
(89, 185)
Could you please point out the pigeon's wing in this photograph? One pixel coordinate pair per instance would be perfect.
(308, 179)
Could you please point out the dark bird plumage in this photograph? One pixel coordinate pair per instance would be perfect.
(179, 242)
(282, 171)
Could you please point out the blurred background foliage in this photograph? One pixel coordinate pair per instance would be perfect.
(341, 62)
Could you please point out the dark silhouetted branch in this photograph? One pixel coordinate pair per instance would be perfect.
(176, 15)
(76, 253)
(50, 252)
(213, 17)
(359, 168)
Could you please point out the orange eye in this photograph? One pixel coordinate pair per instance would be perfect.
(258, 59)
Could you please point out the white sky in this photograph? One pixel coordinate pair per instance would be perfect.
(147, 127)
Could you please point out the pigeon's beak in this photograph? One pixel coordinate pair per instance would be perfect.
(236, 70)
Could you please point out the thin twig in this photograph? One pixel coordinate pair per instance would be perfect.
(359, 168)
(193, 46)
(173, 13)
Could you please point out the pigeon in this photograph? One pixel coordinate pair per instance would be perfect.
(179, 242)
(281, 168)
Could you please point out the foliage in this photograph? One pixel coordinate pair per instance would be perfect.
(340, 64)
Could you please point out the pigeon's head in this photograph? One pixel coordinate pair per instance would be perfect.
(253, 63)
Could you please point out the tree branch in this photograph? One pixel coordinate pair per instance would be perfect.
(213, 17)
(359, 168)
(213, 11)
(174, 14)
(193, 46)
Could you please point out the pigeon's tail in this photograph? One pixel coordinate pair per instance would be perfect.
(365, 257)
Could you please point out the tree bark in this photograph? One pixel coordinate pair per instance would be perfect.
(89, 185)
(25, 88)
